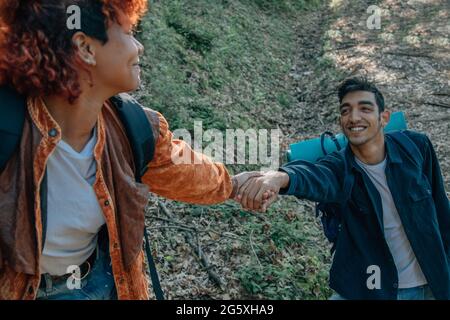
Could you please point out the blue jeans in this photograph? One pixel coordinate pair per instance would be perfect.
(97, 285)
(416, 293)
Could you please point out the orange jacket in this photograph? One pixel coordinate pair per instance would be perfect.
(122, 199)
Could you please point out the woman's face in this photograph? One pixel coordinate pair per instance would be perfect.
(117, 61)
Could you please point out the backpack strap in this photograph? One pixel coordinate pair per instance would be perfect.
(333, 139)
(12, 118)
(139, 132)
(159, 294)
(142, 141)
(138, 128)
(409, 145)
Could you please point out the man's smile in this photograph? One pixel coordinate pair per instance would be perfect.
(356, 128)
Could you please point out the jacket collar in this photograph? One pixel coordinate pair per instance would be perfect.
(50, 129)
(42, 119)
(392, 150)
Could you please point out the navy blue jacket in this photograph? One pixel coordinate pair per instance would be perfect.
(421, 202)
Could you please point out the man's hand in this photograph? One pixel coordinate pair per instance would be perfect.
(241, 178)
(259, 191)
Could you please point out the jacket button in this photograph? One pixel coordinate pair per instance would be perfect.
(53, 132)
(106, 203)
(395, 285)
(115, 245)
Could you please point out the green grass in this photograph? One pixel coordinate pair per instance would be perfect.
(223, 62)
(294, 261)
(284, 254)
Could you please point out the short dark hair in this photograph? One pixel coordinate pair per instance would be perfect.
(360, 84)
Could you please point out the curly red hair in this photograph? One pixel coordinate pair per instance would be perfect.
(36, 51)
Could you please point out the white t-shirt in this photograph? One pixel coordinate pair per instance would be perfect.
(409, 272)
(74, 215)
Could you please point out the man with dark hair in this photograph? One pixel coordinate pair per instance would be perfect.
(394, 234)
(360, 84)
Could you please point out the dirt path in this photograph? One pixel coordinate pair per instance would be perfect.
(408, 58)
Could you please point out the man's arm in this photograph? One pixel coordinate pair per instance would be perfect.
(200, 181)
(433, 172)
(321, 181)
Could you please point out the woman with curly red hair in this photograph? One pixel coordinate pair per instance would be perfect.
(72, 176)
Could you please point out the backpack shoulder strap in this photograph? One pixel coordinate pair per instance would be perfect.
(131, 113)
(12, 117)
(142, 141)
(139, 131)
(409, 145)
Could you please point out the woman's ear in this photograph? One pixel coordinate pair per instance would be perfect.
(84, 48)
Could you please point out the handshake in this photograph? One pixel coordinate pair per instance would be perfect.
(256, 190)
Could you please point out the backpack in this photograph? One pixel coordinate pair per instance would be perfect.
(331, 213)
(137, 127)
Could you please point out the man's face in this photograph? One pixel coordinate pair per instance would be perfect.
(360, 119)
(118, 60)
